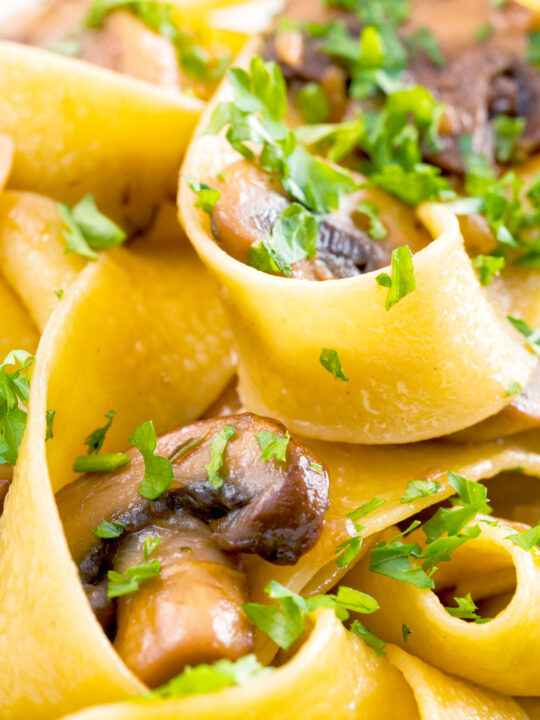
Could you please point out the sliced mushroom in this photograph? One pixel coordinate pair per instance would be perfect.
(251, 202)
(191, 613)
(523, 413)
(193, 610)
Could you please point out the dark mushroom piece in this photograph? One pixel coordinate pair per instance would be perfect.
(192, 611)
(251, 201)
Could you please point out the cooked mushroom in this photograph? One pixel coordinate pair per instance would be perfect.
(191, 613)
(523, 413)
(251, 202)
(193, 610)
(123, 44)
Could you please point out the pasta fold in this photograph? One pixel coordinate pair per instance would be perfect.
(441, 359)
(469, 650)
(79, 128)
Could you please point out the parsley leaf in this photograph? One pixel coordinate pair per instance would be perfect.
(204, 679)
(108, 530)
(533, 50)
(423, 39)
(316, 467)
(96, 438)
(527, 539)
(483, 32)
(88, 230)
(217, 448)
(376, 230)
(158, 473)
(208, 196)
(419, 489)
(366, 509)
(14, 393)
(313, 103)
(108, 462)
(285, 622)
(130, 580)
(257, 115)
(514, 389)
(293, 238)
(402, 282)
(330, 361)
(368, 637)
(405, 631)
(392, 560)
(273, 445)
(533, 336)
(507, 131)
(466, 609)
(488, 266)
(49, 418)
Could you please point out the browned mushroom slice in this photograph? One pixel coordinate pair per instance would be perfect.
(251, 202)
(521, 414)
(191, 613)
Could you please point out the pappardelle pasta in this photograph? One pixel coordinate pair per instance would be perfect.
(270, 448)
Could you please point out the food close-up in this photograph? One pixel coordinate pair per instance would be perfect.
(270, 359)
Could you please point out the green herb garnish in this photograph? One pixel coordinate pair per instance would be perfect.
(158, 473)
(330, 361)
(217, 449)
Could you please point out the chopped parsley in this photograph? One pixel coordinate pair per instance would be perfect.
(108, 462)
(533, 336)
(96, 438)
(514, 389)
(483, 32)
(195, 59)
(158, 473)
(533, 50)
(257, 115)
(507, 131)
(445, 531)
(528, 539)
(273, 445)
(217, 449)
(376, 230)
(466, 610)
(402, 281)
(49, 419)
(419, 489)
(487, 267)
(130, 580)
(14, 394)
(87, 230)
(285, 622)
(109, 530)
(368, 637)
(330, 361)
(293, 238)
(405, 631)
(423, 40)
(59, 293)
(204, 679)
(349, 548)
(316, 467)
(313, 103)
(208, 196)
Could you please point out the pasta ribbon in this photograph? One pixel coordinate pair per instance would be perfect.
(469, 650)
(82, 129)
(441, 359)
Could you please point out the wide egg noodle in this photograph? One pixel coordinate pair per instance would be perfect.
(502, 654)
(141, 332)
(442, 359)
(79, 128)
(32, 252)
